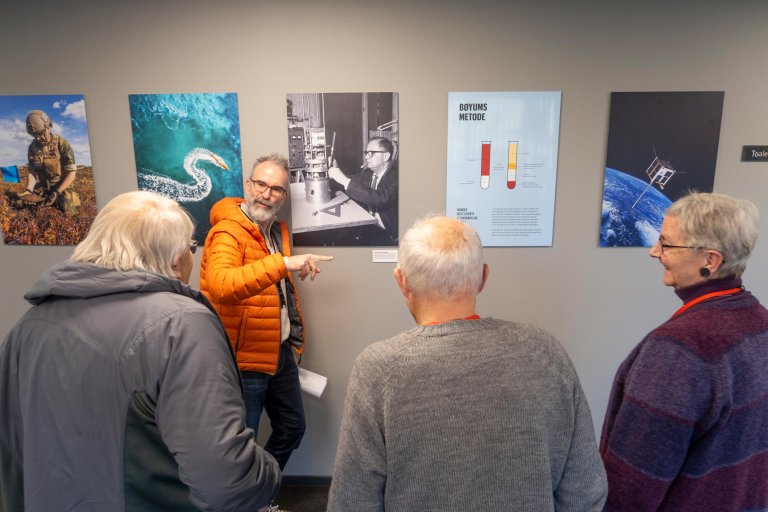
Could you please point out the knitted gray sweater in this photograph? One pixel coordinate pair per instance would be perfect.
(467, 415)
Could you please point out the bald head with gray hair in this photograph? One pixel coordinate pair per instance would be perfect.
(719, 222)
(442, 257)
(137, 231)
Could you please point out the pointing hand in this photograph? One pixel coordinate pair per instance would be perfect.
(306, 264)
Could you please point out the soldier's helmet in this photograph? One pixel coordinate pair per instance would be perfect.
(37, 122)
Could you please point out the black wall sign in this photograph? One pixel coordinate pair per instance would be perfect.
(754, 153)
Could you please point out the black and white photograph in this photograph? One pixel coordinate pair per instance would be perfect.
(343, 154)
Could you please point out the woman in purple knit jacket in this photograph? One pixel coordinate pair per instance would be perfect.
(687, 422)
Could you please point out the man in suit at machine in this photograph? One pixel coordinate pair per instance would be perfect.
(375, 187)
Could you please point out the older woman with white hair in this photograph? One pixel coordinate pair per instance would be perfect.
(118, 389)
(687, 419)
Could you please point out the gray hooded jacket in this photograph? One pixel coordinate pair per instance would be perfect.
(118, 391)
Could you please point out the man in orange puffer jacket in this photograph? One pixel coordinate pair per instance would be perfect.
(245, 273)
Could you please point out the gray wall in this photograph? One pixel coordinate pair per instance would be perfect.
(599, 302)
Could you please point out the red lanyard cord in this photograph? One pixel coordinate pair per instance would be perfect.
(470, 317)
(706, 296)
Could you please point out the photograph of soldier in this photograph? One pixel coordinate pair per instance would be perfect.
(52, 168)
(47, 192)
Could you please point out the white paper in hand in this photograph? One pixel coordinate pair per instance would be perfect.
(312, 383)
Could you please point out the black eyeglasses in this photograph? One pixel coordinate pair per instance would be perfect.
(670, 246)
(193, 246)
(373, 152)
(260, 187)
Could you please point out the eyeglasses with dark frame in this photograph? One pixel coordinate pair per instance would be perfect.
(663, 245)
(670, 246)
(373, 152)
(260, 187)
(193, 246)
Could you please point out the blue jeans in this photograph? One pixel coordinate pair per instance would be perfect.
(280, 396)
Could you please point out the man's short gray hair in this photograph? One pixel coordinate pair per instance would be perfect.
(720, 222)
(440, 256)
(273, 158)
(137, 230)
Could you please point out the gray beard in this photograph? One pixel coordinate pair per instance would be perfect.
(258, 214)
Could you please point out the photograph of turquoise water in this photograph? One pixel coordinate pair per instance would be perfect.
(187, 147)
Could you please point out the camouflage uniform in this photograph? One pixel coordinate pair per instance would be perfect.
(49, 163)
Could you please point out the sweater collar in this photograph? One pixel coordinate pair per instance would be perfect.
(689, 293)
(452, 327)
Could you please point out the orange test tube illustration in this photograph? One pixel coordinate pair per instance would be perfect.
(512, 165)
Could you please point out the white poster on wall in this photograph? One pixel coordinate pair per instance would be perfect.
(502, 165)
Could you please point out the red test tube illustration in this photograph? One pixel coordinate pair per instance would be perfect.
(485, 165)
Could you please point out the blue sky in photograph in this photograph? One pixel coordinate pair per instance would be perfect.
(67, 112)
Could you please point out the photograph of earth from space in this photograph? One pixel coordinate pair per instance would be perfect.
(661, 146)
(623, 225)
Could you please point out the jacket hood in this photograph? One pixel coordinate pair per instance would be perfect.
(85, 280)
(227, 208)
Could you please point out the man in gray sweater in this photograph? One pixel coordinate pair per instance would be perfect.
(463, 412)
